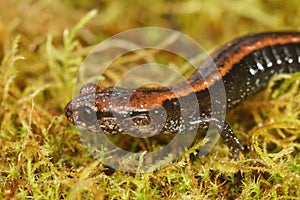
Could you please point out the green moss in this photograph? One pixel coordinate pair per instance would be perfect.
(42, 157)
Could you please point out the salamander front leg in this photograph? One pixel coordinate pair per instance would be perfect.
(225, 131)
(231, 141)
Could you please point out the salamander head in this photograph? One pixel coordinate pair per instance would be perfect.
(86, 112)
(109, 111)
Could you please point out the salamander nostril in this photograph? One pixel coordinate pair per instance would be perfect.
(87, 114)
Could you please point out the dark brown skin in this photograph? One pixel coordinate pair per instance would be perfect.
(245, 66)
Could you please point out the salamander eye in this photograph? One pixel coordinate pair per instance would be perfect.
(87, 114)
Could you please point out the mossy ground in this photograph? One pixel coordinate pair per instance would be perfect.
(42, 157)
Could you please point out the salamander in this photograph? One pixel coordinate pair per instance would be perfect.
(244, 65)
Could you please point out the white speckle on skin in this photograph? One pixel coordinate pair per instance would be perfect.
(252, 71)
(278, 61)
(260, 67)
(269, 64)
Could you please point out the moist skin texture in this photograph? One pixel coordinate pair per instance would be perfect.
(244, 66)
